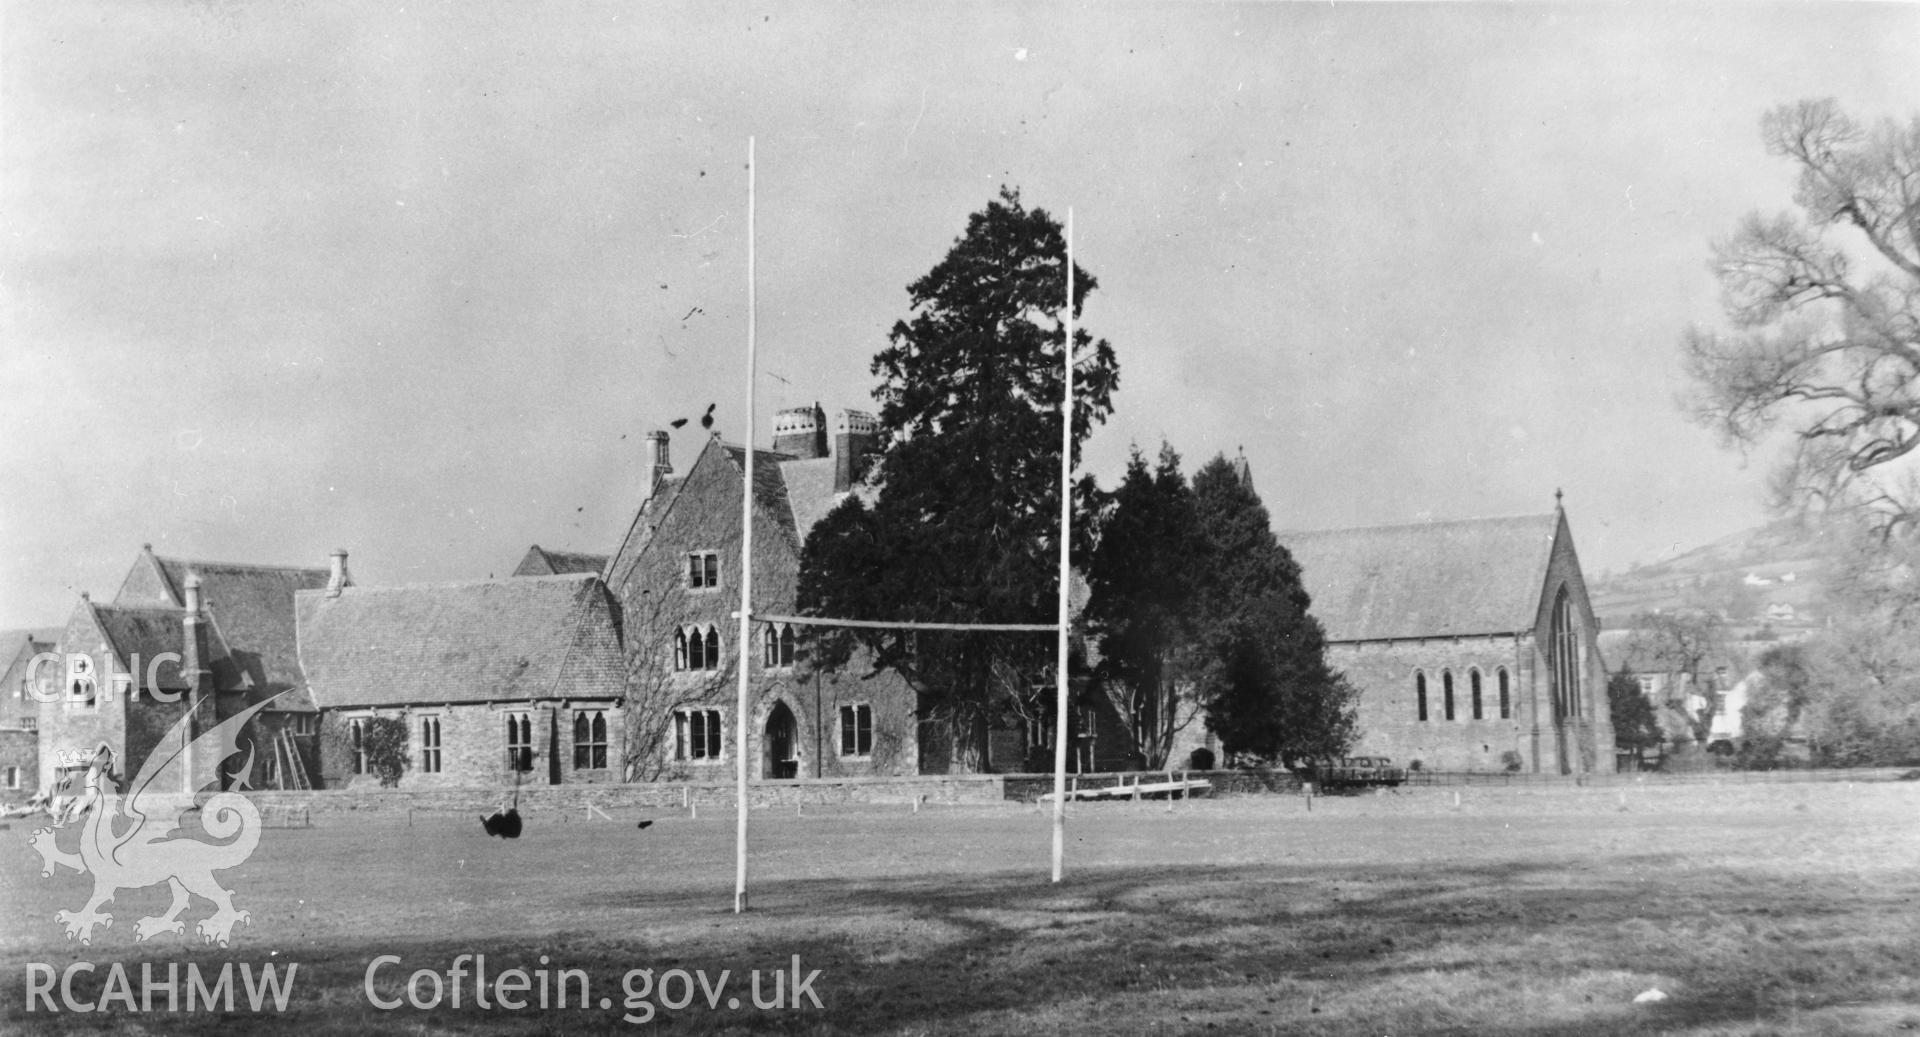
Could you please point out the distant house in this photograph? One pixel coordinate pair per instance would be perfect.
(20, 712)
(180, 635)
(541, 562)
(494, 681)
(1679, 698)
(1468, 641)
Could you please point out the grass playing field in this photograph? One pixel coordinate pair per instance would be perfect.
(1783, 909)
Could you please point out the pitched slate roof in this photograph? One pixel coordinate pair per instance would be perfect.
(542, 562)
(1436, 579)
(506, 640)
(769, 488)
(26, 645)
(139, 634)
(809, 492)
(252, 605)
(640, 531)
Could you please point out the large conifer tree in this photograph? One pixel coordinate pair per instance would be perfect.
(1266, 686)
(1145, 581)
(964, 530)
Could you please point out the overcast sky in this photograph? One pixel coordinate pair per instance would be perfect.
(414, 280)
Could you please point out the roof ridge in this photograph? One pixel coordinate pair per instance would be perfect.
(242, 565)
(502, 581)
(781, 454)
(172, 610)
(1431, 524)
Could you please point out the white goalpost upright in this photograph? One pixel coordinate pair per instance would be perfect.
(1066, 547)
(1060, 627)
(746, 579)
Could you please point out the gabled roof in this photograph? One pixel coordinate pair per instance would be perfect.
(506, 640)
(139, 634)
(541, 562)
(793, 493)
(640, 531)
(769, 488)
(809, 492)
(26, 644)
(1435, 579)
(251, 604)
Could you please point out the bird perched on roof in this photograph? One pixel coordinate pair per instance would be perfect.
(706, 420)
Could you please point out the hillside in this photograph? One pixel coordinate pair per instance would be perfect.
(1777, 573)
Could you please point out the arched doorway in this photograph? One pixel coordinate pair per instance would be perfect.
(780, 741)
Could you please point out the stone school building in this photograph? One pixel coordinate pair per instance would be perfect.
(494, 682)
(223, 635)
(675, 578)
(585, 668)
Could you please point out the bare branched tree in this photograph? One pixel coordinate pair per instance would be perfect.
(1825, 308)
(1684, 647)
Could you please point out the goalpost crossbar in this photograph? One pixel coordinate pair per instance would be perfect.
(880, 624)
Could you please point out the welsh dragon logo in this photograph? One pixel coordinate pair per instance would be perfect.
(124, 844)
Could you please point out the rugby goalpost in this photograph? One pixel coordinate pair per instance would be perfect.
(1060, 627)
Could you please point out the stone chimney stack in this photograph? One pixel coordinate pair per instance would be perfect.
(337, 577)
(856, 435)
(193, 642)
(659, 459)
(801, 431)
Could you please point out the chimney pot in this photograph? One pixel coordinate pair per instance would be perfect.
(337, 572)
(194, 640)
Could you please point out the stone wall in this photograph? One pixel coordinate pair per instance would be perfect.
(575, 799)
(19, 750)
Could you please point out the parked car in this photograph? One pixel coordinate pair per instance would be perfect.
(1354, 772)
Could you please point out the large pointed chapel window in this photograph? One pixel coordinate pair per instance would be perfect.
(1564, 652)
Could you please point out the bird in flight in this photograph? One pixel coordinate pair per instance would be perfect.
(678, 422)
